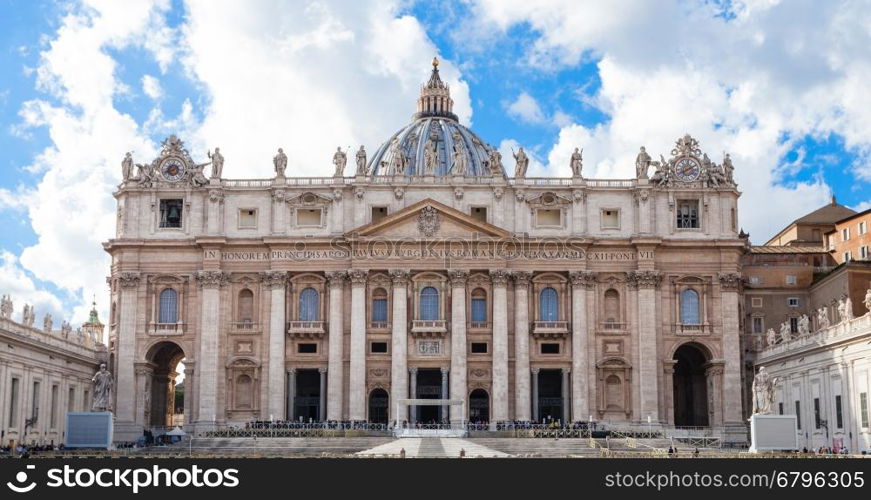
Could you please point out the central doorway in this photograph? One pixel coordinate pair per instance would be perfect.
(429, 386)
(550, 395)
(479, 407)
(165, 404)
(378, 402)
(690, 387)
(307, 399)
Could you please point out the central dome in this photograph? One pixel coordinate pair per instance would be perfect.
(435, 143)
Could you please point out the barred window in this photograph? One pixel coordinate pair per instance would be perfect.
(548, 307)
(479, 306)
(308, 305)
(429, 304)
(688, 214)
(689, 307)
(379, 306)
(168, 306)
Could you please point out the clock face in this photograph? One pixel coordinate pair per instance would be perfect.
(172, 169)
(687, 169)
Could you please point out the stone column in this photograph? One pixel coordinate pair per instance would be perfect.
(190, 382)
(279, 212)
(458, 340)
(668, 389)
(215, 212)
(413, 390)
(535, 394)
(322, 396)
(276, 283)
(581, 282)
(714, 389)
(336, 363)
(499, 398)
(126, 377)
(144, 377)
(399, 340)
(565, 393)
(209, 368)
(521, 345)
(357, 389)
(730, 284)
(291, 392)
(647, 282)
(444, 415)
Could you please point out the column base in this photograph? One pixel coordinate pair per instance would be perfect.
(735, 432)
(126, 431)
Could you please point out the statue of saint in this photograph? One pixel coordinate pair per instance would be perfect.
(577, 163)
(495, 161)
(867, 300)
(65, 329)
(47, 323)
(397, 159)
(770, 337)
(642, 163)
(127, 167)
(845, 309)
(103, 385)
(804, 325)
(458, 158)
(339, 160)
(785, 334)
(6, 307)
(28, 315)
(430, 157)
(361, 161)
(728, 169)
(217, 163)
(763, 392)
(822, 318)
(522, 163)
(279, 161)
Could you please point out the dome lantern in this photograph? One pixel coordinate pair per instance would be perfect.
(435, 97)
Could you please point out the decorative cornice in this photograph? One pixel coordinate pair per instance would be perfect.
(273, 279)
(336, 278)
(212, 279)
(358, 276)
(584, 279)
(644, 279)
(128, 280)
(399, 276)
(216, 196)
(521, 278)
(730, 281)
(499, 277)
(458, 277)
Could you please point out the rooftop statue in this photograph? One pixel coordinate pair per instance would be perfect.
(340, 159)
(361, 161)
(6, 307)
(217, 163)
(279, 162)
(127, 167)
(522, 163)
(642, 164)
(460, 165)
(577, 163)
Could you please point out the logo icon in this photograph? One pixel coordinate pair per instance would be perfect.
(20, 478)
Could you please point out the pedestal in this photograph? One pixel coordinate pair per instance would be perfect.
(773, 433)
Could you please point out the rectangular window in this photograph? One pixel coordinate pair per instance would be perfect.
(847, 257)
(610, 218)
(379, 310)
(756, 302)
(817, 419)
(755, 280)
(54, 403)
(35, 401)
(86, 399)
(378, 213)
(790, 279)
(839, 415)
(479, 310)
(688, 214)
(378, 347)
(792, 301)
(71, 400)
(307, 348)
(758, 325)
(13, 403)
(863, 409)
(845, 234)
(479, 213)
(171, 213)
(863, 253)
(780, 408)
(549, 348)
(479, 348)
(793, 325)
(863, 227)
(548, 217)
(248, 218)
(798, 414)
(308, 217)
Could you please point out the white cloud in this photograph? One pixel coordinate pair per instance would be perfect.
(151, 87)
(526, 109)
(21, 288)
(778, 69)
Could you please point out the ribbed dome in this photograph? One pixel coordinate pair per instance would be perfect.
(435, 143)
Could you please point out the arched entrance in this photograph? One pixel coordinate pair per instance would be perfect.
(690, 386)
(378, 404)
(479, 407)
(166, 405)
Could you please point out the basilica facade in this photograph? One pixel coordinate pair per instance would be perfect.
(429, 271)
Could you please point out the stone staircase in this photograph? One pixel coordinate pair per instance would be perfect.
(536, 447)
(283, 446)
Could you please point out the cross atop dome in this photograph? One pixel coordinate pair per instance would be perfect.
(435, 97)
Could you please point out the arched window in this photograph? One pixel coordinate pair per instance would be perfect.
(168, 306)
(479, 306)
(612, 307)
(245, 307)
(547, 305)
(429, 304)
(689, 307)
(379, 306)
(243, 391)
(308, 305)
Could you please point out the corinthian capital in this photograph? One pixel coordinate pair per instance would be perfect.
(583, 279)
(499, 277)
(274, 279)
(336, 278)
(128, 280)
(521, 278)
(358, 276)
(644, 279)
(730, 281)
(399, 276)
(458, 277)
(211, 279)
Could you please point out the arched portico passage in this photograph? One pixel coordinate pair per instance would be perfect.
(479, 407)
(161, 406)
(690, 386)
(378, 405)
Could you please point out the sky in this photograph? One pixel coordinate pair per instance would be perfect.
(781, 86)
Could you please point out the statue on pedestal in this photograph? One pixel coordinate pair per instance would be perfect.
(66, 329)
(522, 163)
(430, 157)
(822, 318)
(127, 167)
(785, 334)
(103, 385)
(642, 164)
(6, 307)
(340, 159)
(28, 315)
(770, 337)
(804, 325)
(763, 392)
(867, 300)
(279, 161)
(361, 161)
(495, 161)
(47, 323)
(217, 163)
(845, 309)
(458, 158)
(577, 163)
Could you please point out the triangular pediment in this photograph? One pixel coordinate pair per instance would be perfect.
(429, 219)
